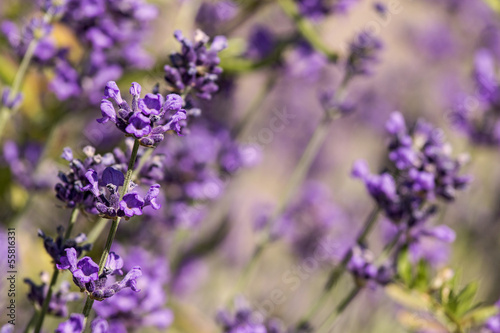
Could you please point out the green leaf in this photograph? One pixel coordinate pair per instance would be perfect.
(421, 281)
(404, 267)
(465, 298)
(480, 315)
(409, 298)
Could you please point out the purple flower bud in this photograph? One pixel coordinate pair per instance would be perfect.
(173, 102)
(112, 91)
(396, 124)
(135, 89)
(12, 103)
(67, 154)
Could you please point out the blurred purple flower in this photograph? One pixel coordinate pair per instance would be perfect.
(196, 67)
(128, 310)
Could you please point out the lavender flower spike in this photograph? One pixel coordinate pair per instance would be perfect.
(146, 119)
(196, 66)
(86, 275)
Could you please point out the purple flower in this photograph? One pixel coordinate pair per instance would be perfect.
(146, 308)
(146, 119)
(132, 204)
(75, 324)
(57, 248)
(317, 9)
(362, 53)
(481, 123)
(58, 303)
(196, 66)
(65, 83)
(86, 275)
(246, 320)
(23, 162)
(425, 172)
(312, 223)
(95, 184)
(11, 103)
(261, 43)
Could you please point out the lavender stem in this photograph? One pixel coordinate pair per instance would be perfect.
(5, 112)
(114, 227)
(306, 29)
(55, 275)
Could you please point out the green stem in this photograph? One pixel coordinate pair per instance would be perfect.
(144, 159)
(306, 29)
(5, 112)
(114, 227)
(325, 327)
(130, 170)
(339, 270)
(249, 9)
(31, 322)
(55, 275)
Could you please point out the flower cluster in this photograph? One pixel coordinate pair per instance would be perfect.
(37, 29)
(57, 248)
(86, 275)
(105, 189)
(313, 222)
(112, 32)
(424, 171)
(429, 243)
(480, 121)
(196, 67)
(363, 51)
(58, 303)
(147, 118)
(140, 309)
(362, 267)
(71, 189)
(246, 320)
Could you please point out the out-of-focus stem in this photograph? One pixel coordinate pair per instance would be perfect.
(339, 270)
(240, 130)
(5, 112)
(326, 326)
(306, 29)
(114, 227)
(297, 177)
(55, 275)
(30, 323)
(249, 9)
